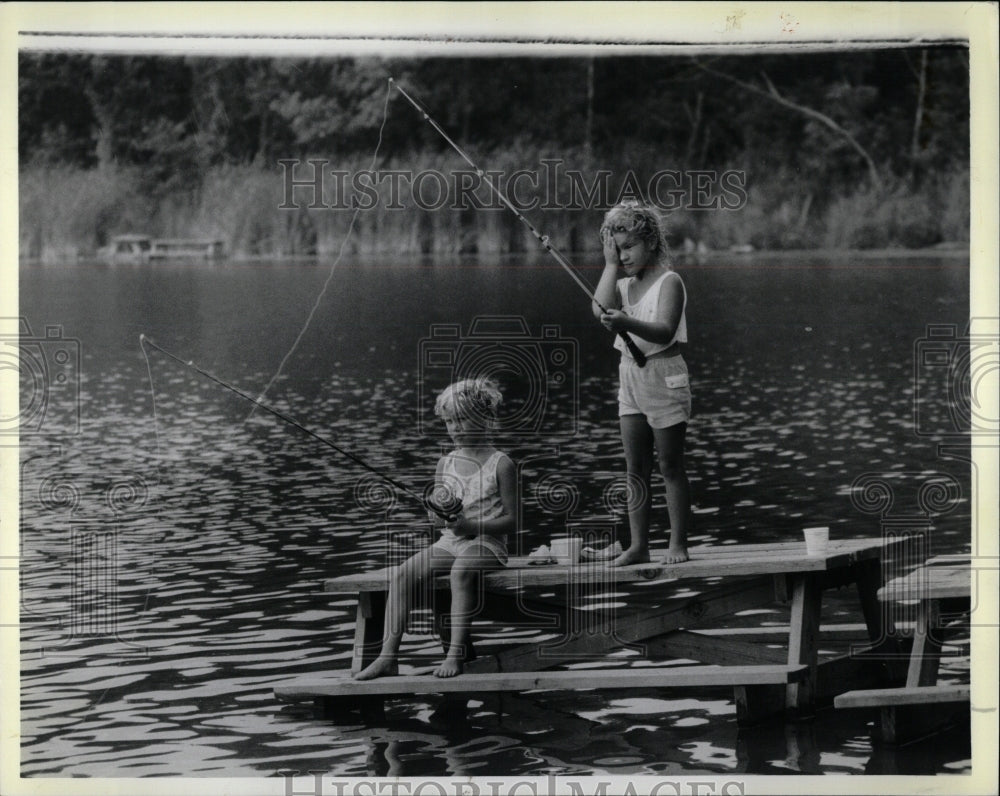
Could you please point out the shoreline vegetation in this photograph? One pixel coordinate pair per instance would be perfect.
(866, 151)
(241, 206)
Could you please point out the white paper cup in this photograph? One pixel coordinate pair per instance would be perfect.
(816, 540)
(566, 549)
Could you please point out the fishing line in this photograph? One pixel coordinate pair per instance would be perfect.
(336, 262)
(637, 355)
(442, 512)
(152, 396)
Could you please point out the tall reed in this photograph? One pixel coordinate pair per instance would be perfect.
(70, 211)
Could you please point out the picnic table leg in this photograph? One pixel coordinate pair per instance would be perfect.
(368, 629)
(925, 657)
(369, 624)
(878, 618)
(803, 636)
(755, 703)
(758, 703)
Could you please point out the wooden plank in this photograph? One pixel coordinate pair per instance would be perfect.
(573, 680)
(795, 548)
(711, 562)
(950, 561)
(884, 697)
(373, 580)
(929, 583)
(803, 639)
(514, 576)
(711, 649)
(616, 629)
(778, 634)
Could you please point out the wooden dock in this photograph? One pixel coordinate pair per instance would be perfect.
(137, 248)
(186, 248)
(663, 624)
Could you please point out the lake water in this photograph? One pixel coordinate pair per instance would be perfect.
(173, 547)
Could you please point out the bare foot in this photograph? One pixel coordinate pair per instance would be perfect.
(380, 667)
(611, 551)
(678, 556)
(450, 667)
(630, 556)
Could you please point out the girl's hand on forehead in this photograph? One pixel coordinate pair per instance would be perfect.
(610, 248)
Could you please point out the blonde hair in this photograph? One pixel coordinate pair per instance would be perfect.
(640, 221)
(475, 399)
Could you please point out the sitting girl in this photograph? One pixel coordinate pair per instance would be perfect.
(475, 541)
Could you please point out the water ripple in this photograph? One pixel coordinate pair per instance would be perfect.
(217, 573)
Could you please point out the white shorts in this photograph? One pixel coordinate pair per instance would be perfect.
(660, 391)
(471, 547)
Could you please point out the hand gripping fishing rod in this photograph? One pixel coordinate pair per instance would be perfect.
(633, 349)
(447, 514)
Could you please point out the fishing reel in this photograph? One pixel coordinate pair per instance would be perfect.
(447, 506)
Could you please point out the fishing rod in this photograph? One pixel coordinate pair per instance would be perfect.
(637, 355)
(448, 515)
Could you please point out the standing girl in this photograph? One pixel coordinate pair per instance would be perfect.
(484, 481)
(654, 402)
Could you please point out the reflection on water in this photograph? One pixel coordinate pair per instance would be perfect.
(172, 551)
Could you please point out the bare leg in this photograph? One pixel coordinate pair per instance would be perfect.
(670, 453)
(637, 440)
(411, 575)
(466, 596)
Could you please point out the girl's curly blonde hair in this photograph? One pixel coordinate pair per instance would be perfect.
(641, 221)
(475, 399)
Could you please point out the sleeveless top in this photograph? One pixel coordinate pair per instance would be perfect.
(645, 310)
(478, 490)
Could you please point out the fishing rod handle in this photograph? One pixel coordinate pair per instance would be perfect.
(633, 349)
(446, 514)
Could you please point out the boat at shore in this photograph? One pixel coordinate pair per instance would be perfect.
(134, 248)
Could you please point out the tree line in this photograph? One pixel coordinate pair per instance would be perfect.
(889, 124)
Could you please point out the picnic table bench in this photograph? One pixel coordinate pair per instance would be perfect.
(941, 588)
(673, 601)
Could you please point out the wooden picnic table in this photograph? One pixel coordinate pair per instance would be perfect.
(673, 601)
(941, 589)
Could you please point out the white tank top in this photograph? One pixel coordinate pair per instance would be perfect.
(478, 490)
(645, 310)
